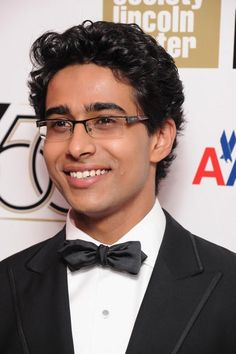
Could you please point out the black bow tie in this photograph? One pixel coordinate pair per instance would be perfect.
(125, 256)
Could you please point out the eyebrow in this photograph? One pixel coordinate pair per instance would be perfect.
(61, 110)
(100, 106)
(93, 107)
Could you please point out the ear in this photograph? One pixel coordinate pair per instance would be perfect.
(162, 141)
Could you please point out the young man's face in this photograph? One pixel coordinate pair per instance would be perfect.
(124, 180)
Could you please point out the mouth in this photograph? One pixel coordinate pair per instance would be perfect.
(87, 173)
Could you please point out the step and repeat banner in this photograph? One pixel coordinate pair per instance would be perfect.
(200, 190)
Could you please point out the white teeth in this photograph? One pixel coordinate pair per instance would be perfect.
(88, 173)
(85, 174)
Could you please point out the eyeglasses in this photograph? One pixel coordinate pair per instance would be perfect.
(98, 127)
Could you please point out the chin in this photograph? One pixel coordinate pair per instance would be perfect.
(94, 209)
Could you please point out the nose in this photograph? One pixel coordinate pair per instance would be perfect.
(80, 143)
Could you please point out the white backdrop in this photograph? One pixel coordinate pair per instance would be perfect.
(29, 207)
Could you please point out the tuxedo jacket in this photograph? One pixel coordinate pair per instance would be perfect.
(189, 306)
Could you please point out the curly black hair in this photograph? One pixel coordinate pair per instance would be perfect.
(132, 55)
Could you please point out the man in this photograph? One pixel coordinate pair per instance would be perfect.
(109, 102)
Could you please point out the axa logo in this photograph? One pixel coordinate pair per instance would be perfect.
(214, 167)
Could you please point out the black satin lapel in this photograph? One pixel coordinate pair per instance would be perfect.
(169, 309)
(43, 305)
(197, 311)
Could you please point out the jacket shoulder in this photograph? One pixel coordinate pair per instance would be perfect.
(187, 253)
(215, 256)
(21, 257)
(209, 252)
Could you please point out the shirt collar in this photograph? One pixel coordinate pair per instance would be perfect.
(149, 231)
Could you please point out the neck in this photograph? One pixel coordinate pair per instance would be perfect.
(109, 228)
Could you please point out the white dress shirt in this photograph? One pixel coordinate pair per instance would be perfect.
(104, 303)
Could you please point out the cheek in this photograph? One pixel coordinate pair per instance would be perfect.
(48, 155)
(121, 152)
(51, 153)
(130, 157)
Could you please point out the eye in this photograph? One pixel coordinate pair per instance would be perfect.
(59, 125)
(106, 121)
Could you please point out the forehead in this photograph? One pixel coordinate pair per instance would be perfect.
(78, 86)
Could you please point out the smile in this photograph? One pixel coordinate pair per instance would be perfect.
(88, 173)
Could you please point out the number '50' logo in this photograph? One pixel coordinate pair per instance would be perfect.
(25, 185)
